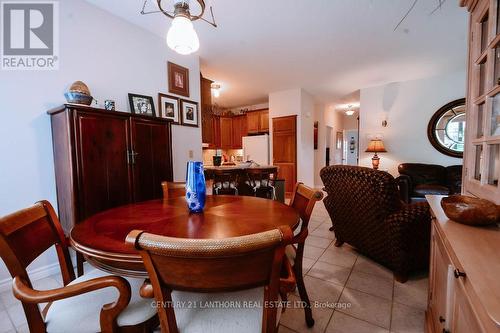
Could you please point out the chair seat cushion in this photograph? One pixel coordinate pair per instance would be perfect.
(81, 313)
(239, 311)
(423, 189)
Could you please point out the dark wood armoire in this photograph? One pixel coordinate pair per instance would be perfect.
(105, 159)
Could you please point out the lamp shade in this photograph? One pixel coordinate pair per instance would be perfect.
(376, 146)
(182, 37)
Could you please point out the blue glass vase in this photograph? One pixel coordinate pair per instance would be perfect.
(195, 187)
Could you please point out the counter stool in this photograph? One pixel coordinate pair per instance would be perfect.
(225, 182)
(262, 181)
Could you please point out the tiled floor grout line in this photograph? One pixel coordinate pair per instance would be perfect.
(340, 295)
(392, 304)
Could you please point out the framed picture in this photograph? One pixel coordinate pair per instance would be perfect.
(140, 104)
(178, 79)
(189, 111)
(168, 107)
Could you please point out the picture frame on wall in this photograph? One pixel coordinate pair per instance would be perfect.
(189, 113)
(178, 79)
(141, 104)
(169, 108)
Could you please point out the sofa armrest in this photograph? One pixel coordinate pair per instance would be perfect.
(405, 188)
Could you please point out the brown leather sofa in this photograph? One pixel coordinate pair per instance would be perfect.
(418, 179)
(367, 213)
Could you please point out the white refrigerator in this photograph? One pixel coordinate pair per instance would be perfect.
(256, 148)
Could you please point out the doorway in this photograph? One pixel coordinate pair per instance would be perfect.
(351, 147)
(328, 150)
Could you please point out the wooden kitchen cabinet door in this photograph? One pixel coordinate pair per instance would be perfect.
(264, 121)
(226, 132)
(239, 131)
(253, 122)
(285, 150)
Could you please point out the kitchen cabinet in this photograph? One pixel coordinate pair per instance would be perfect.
(258, 121)
(464, 293)
(208, 119)
(239, 130)
(226, 132)
(285, 149)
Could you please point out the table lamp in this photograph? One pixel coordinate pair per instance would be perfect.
(375, 146)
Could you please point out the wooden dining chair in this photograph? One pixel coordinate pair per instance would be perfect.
(196, 273)
(303, 200)
(173, 189)
(87, 304)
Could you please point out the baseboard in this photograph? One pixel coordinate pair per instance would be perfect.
(37, 273)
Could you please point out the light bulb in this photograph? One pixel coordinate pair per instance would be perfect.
(349, 112)
(216, 93)
(182, 37)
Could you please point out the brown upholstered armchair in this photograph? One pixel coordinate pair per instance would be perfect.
(367, 213)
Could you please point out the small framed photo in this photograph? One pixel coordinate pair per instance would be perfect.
(140, 104)
(189, 111)
(169, 108)
(178, 79)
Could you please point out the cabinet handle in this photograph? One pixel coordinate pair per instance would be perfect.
(441, 319)
(458, 273)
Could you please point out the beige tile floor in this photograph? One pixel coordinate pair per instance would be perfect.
(378, 304)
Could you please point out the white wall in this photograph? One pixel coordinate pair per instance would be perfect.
(300, 103)
(326, 117)
(409, 106)
(114, 58)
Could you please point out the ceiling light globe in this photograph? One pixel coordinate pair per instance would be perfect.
(349, 112)
(182, 37)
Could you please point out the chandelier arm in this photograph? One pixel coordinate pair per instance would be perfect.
(202, 5)
(163, 11)
(212, 23)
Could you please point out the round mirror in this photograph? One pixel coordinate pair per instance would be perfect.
(446, 129)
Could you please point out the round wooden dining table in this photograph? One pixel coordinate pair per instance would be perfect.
(101, 238)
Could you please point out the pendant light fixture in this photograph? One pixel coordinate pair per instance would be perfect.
(215, 89)
(181, 36)
(349, 111)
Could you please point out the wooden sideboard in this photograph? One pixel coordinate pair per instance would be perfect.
(464, 281)
(105, 159)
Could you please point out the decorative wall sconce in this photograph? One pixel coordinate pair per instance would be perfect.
(383, 117)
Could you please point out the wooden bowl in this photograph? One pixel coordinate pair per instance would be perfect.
(470, 211)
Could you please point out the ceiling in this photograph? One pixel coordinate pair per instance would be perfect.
(329, 48)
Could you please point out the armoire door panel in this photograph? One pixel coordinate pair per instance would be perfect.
(151, 158)
(102, 162)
